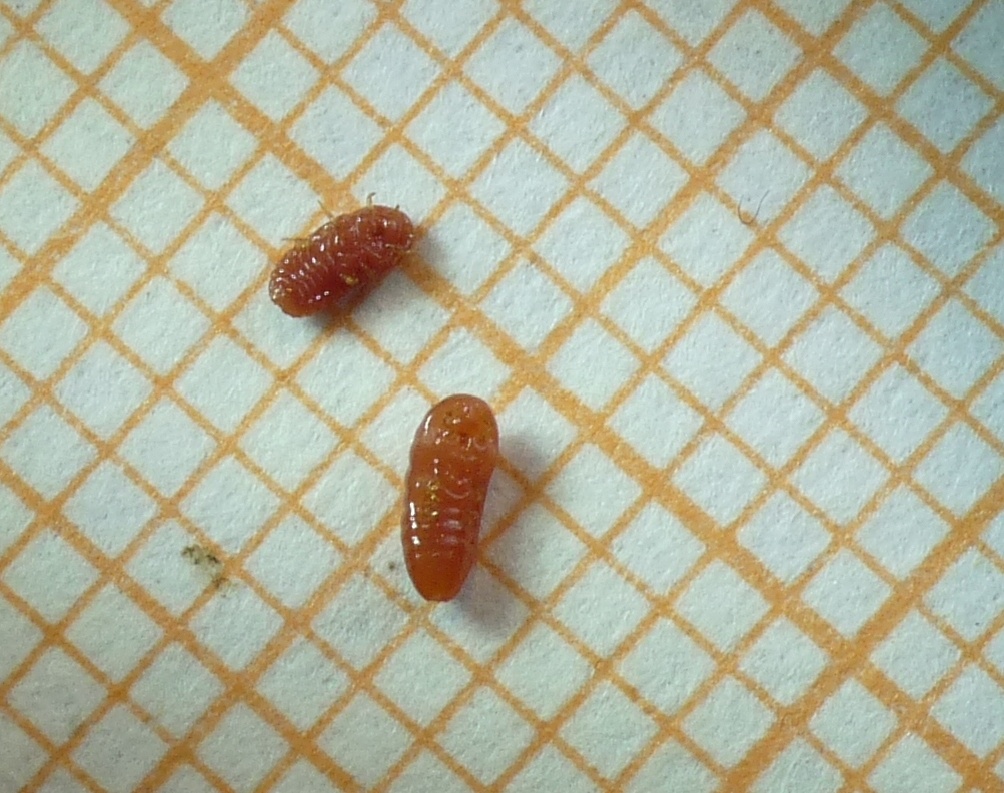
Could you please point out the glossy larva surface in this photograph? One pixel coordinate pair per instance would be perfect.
(453, 457)
(346, 254)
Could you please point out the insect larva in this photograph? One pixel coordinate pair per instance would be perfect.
(452, 460)
(346, 254)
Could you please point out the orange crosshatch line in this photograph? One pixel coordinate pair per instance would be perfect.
(847, 658)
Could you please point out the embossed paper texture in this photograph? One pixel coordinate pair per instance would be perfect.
(731, 275)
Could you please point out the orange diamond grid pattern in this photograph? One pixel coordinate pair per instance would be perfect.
(732, 274)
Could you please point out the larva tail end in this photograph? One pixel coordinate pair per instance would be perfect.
(284, 294)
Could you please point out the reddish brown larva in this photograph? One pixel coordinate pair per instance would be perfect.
(452, 461)
(348, 253)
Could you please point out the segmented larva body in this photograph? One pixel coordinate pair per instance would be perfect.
(348, 253)
(452, 460)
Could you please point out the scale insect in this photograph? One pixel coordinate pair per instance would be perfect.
(349, 253)
(453, 457)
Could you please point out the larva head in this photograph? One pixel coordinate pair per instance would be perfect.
(386, 226)
(464, 426)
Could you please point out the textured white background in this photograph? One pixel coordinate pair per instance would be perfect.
(731, 274)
